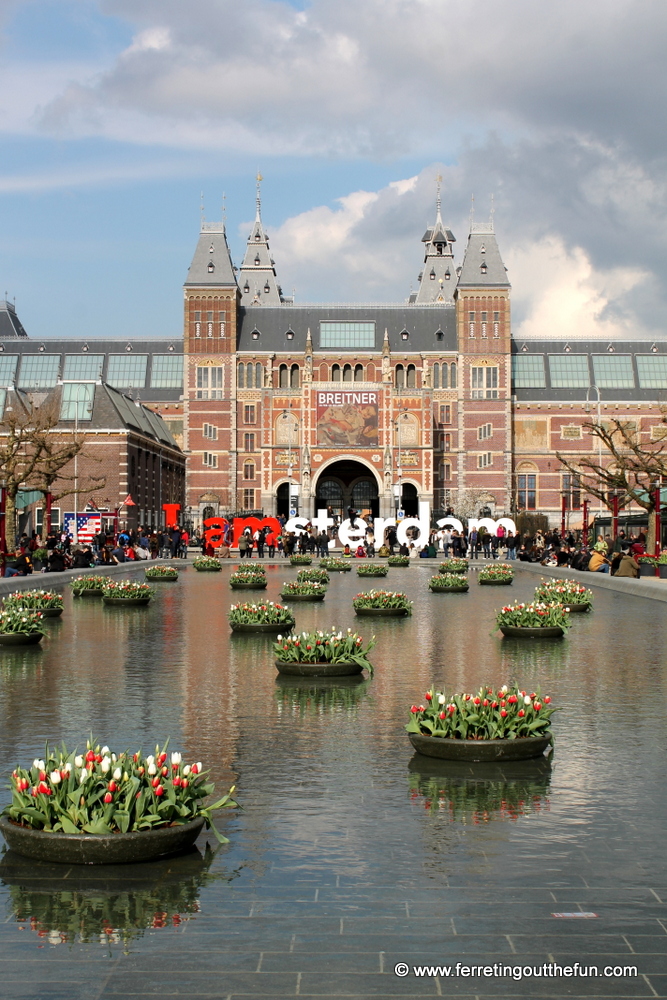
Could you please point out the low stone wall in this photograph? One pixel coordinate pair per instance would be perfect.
(56, 581)
(646, 586)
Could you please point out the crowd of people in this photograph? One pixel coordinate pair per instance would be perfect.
(105, 549)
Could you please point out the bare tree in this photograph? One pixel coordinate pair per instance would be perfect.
(467, 502)
(629, 468)
(33, 453)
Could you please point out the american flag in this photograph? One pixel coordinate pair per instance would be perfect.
(87, 525)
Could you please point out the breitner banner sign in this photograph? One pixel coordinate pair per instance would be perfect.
(348, 418)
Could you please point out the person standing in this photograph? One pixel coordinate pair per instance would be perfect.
(270, 540)
(260, 539)
(243, 545)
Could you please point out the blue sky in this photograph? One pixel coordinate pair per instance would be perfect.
(116, 114)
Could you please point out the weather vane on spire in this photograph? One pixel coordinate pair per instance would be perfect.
(259, 180)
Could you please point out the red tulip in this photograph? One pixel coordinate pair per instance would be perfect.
(177, 781)
(537, 706)
(442, 716)
(494, 704)
(165, 771)
(112, 786)
(485, 703)
(90, 755)
(503, 712)
(155, 782)
(512, 699)
(521, 713)
(428, 695)
(414, 709)
(141, 770)
(477, 701)
(108, 798)
(547, 700)
(185, 782)
(194, 769)
(159, 790)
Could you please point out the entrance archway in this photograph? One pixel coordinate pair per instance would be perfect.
(344, 484)
(410, 500)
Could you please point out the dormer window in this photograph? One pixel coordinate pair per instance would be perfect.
(290, 334)
(482, 249)
(404, 334)
(432, 275)
(255, 334)
(211, 249)
(246, 288)
(211, 267)
(438, 248)
(447, 275)
(257, 237)
(257, 261)
(267, 288)
(439, 335)
(483, 267)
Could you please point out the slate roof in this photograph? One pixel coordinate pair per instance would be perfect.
(482, 251)
(11, 327)
(211, 249)
(421, 322)
(113, 409)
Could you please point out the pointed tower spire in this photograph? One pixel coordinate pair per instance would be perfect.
(257, 277)
(438, 279)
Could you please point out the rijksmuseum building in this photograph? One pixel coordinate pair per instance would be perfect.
(282, 406)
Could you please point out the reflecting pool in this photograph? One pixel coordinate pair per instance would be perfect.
(351, 853)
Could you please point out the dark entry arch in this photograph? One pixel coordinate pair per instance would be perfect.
(346, 484)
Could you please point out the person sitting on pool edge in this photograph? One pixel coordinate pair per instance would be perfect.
(598, 562)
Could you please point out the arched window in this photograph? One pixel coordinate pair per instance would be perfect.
(358, 373)
(436, 376)
(283, 377)
(259, 376)
(411, 379)
(249, 470)
(250, 377)
(400, 377)
(452, 376)
(445, 376)
(294, 377)
(335, 373)
(347, 373)
(241, 376)
(370, 373)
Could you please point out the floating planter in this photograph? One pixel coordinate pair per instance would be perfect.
(454, 566)
(383, 603)
(372, 569)
(127, 593)
(103, 808)
(533, 621)
(507, 724)
(303, 590)
(449, 583)
(165, 573)
(250, 567)
(47, 601)
(206, 564)
(496, 576)
(21, 627)
(398, 561)
(247, 580)
(267, 617)
(569, 593)
(316, 575)
(323, 654)
(300, 560)
(335, 565)
(89, 586)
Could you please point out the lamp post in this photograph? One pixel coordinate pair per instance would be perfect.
(287, 416)
(585, 523)
(399, 468)
(80, 386)
(588, 403)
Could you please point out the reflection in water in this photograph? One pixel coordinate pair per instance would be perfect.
(480, 793)
(110, 904)
(299, 696)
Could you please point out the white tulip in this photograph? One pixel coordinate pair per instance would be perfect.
(55, 777)
(105, 750)
(117, 775)
(106, 764)
(199, 766)
(526, 700)
(441, 699)
(39, 764)
(78, 760)
(83, 775)
(152, 769)
(67, 767)
(186, 769)
(176, 758)
(150, 759)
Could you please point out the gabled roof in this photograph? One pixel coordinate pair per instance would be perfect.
(212, 262)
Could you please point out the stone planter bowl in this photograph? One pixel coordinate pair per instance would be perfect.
(88, 592)
(519, 632)
(479, 750)
(382, 612)
(91, 849)
(449, 590)
(578, 608)
(289, 669)
(251, 585)
(302, 597)
(129, 602)
(51, 612)
(267, 627)
(495, 583)
(162, 579)
(208, 569)
(20, 638)
(338, 569)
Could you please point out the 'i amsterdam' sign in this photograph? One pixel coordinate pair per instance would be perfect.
(348, 419)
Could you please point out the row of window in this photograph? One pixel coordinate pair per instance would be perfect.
(444, 376)
(573, 371)
(251, 376)
(124, 371)
(481, 325)
(210, 327)
(209, 382)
